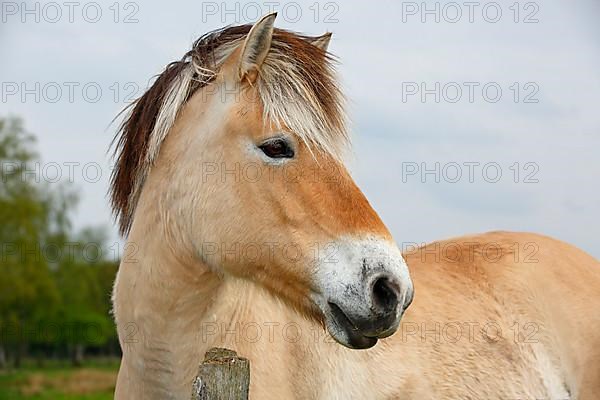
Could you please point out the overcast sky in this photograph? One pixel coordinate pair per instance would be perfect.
(497, 87)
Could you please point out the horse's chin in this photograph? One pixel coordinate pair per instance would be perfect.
(356, 342)
(344, 332)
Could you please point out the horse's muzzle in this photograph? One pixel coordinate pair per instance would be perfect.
(388, 302)
(363, 291)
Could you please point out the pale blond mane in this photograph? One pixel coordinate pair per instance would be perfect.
(297, 88)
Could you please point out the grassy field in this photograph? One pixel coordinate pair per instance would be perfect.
(94, 381)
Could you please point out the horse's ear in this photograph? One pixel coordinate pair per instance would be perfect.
(255, 48)
(322, 41)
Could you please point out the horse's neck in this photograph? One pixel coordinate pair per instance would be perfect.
(159, 300)
(171, 309)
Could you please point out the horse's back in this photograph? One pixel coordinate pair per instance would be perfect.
(530, 305)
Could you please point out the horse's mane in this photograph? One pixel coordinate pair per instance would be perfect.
(296, 87)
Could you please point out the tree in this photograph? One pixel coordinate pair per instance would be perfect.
(27, 290)
(54, 285)
(83, 315)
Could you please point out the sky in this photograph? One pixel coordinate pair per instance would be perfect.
(466, 116)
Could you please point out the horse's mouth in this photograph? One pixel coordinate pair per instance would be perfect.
(345, 332)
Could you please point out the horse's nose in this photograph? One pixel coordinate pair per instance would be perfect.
(388, 301)
(385, 295)
(364, 299)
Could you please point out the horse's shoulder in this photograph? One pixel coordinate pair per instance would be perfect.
(485, 251)
(500, 256)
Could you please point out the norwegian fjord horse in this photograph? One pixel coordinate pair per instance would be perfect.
(246, 231)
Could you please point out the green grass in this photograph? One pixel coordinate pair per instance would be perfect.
(56, 381)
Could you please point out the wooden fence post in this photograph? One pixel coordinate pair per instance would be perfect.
(222, 376)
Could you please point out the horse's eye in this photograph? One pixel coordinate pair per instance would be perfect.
(277, 148)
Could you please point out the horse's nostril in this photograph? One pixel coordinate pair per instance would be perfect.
(385, 295)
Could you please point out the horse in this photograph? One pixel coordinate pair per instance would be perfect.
(246, 231)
